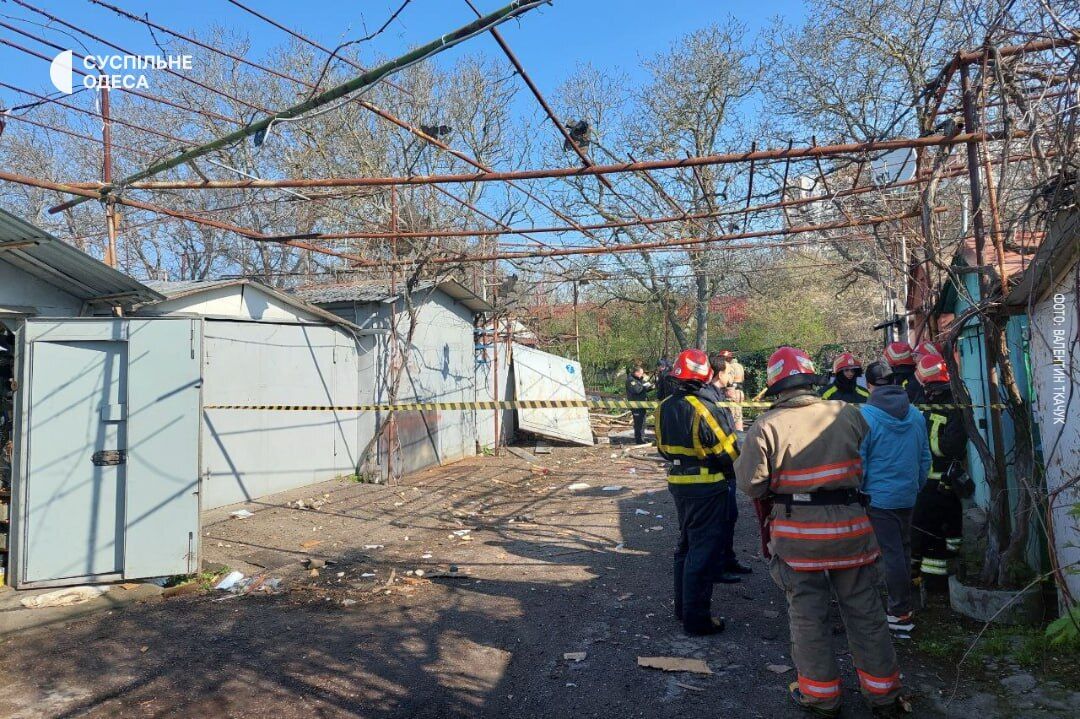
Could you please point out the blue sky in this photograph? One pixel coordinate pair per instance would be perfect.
(551, 41)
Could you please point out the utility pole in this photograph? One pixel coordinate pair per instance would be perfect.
(577, 328)
(106, 176)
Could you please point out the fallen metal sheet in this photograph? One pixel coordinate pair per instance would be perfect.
(543, 376)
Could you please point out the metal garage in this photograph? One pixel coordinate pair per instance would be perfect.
(99, 434)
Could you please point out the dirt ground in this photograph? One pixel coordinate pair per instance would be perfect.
(542, 570)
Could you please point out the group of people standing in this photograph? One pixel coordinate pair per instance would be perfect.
(837, 485)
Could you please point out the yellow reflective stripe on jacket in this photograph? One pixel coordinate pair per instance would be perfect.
(656, 423)
(861, 391)
(725, 442)
(703, 477)
(695, 427)
(936, 421)
(829, 392)
(669, 448)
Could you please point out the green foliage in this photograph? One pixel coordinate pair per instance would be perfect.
(1065, 631)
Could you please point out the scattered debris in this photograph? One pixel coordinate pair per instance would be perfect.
(311, 543)
(624, 597)
(641, 512)
(241, 514)
(367, 575)
(314, 563)
(425, 556)
(612, 488)
(461, 532)
(778, 668)
(64, 597)
(657, 528)
(691, 687)
(574, 656)
(181, 589)
(577, 486)
(348, 602)
(236, 583)
(373, 546)
(229, 581)
(675, 664)
(522, 454)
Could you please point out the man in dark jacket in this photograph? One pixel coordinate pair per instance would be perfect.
(937, 524)
(663, 379)
(846, 370)
(696, 437)
(719, 390)
(638, 387)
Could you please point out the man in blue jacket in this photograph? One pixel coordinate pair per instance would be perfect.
(896, 461)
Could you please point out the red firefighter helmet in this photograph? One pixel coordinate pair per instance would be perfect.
(692, 365)
(932, 369)
(845, 361)
(926, 349)
(898, 354)
(789, 367)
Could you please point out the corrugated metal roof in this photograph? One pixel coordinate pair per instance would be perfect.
(36, 252)
(378, 291)
(182, 288)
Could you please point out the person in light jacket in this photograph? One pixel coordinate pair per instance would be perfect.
(896, 461)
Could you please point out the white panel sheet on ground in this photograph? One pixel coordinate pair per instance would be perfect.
(543, 376)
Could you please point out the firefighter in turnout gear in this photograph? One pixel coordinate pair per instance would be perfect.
(845, 370)
(923, 349)
(803, 453)
(937, 523)
(901, 361)
(698, 440)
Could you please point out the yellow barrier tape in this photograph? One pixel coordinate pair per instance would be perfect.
(504, 404)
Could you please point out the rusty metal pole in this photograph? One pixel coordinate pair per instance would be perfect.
(577, 328)
(995, 216)
(495, 347)
(979, 228)
(106, 176)
(391, 424)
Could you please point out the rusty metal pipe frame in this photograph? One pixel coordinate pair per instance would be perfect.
(217, 224)
(84, 111)
(558, 172)
(666, 244)
(378, 111)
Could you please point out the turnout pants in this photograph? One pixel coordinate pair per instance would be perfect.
(727, 531)
(639, 424)
(937, 533)
(702, 510)
(892, 527)
(808, 595)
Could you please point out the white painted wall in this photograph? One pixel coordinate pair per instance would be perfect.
(240, 301)
(249, 454)
(1055, 368)
(19, 289)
